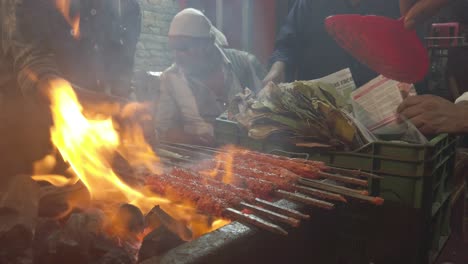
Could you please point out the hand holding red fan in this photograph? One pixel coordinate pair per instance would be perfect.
(383, 44)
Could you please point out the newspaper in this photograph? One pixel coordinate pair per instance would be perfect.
(375, 105)
(343, 83)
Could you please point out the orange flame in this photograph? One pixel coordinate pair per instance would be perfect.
(89, 147)
(64, 7)
(224, 161)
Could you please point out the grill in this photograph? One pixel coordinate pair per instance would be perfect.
(293, 226)
(279, 213)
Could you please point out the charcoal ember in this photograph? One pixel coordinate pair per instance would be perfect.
(84, 227)
(152, 220)
(18, 213)
(116, 257)
(58, 249)
(158, 216)
(54, 202)
(106, 249)
(70, 251)
(45, 229)
(122, 167)
(128, 221)
(158, 242)
(15, 235)
(74, 242)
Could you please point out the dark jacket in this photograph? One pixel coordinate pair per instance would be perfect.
(36, 41)
(307, 49)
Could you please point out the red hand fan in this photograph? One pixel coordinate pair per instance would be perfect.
(383, 44)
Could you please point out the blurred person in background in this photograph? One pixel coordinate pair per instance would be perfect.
(305, 51)
(204, 79)
(432, 114)
(38, 44)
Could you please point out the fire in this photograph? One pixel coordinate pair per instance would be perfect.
(224, 160)
(89, 146)
(64, 7)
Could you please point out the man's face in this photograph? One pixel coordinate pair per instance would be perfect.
(191, 53)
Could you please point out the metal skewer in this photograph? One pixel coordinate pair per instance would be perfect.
(321, 194)
(342, 190)
(343, 179)
(353, 173)
(304, 199)
(254, 220)
(281, 209)
(272, 215)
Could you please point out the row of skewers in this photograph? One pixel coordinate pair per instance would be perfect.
(240, 184)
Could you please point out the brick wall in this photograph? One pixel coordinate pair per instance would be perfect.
(152, 53)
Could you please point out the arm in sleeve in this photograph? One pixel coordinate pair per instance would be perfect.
(23, 26)
(288, 41)
(166, 108)
(122, 53)
(258, 72)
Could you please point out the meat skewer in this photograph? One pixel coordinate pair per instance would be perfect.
(321, 194)
(305, 168)
(267, 189)
(272, 215)
(251, 169)
(304, 165)
(225, 201)
(254, 220)
(260, 187)
(208, 203)
(320, 165)
(289, 169)
(343, 179)
(178, 190)
(281, 209)
(305, 199)
(353, 173)
(342, 190)
(264, 187)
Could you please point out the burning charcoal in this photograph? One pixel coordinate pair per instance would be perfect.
(55, 201)
(157, 243)
(15, 236)
(45, 228)
(171, 224)
(152, 220)
(84, 227)
(121, 166)
(61, 248)
(14, 197)
(72, 243)
(129, 219)
(69, 251)
(75, 242)
(116, 257)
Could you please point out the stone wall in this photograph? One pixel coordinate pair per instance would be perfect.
(152, 53)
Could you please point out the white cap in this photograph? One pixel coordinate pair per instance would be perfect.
(191, 22)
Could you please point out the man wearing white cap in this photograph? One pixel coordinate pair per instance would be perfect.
(205, 77)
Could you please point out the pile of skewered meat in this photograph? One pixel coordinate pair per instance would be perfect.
(242, 178)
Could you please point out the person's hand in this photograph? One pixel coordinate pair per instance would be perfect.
(138, 116)
(206, 140)
(417, 11)
(277, 73)
(44, 88)
(434, 115)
